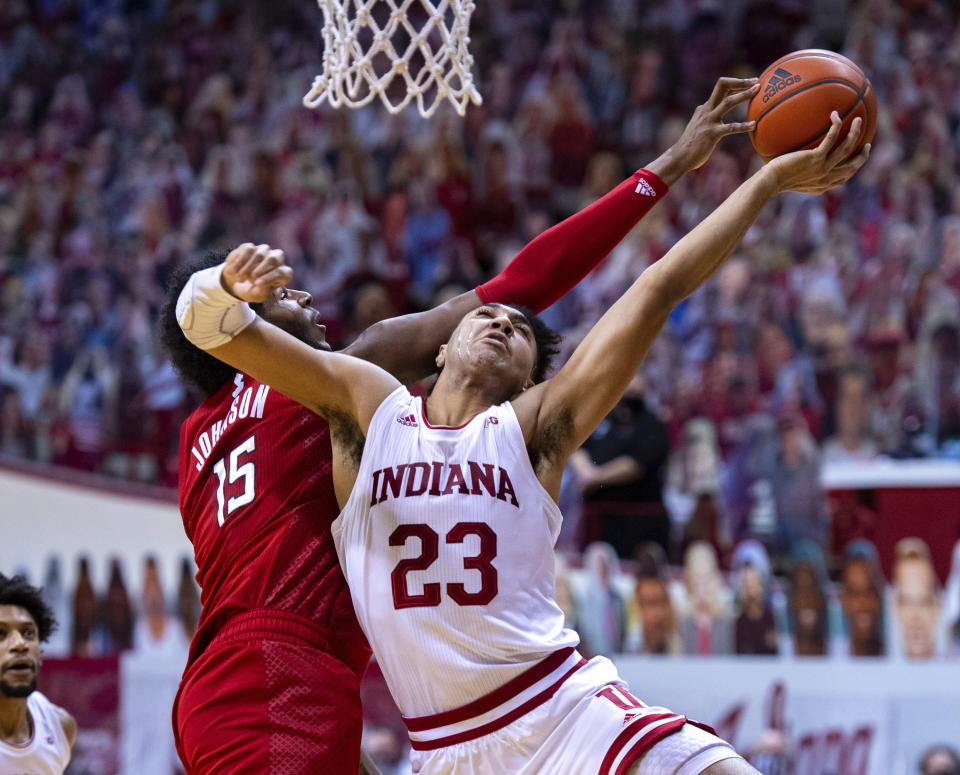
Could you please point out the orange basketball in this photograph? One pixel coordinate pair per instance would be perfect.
(797, 94)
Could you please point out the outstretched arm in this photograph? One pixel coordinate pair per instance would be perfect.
(598, 372)
(554, 262)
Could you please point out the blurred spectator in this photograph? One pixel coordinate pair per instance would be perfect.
(565, 597)
(939, 760)
(427, 238)
(154, 631)
(853, 440)
(706, 619)
(620, 472)
(951, 606)
(794, 473)
(756, 626)
(117, 613)
(693, 480)
(862, 598)
(807, 604)
(659, 633)
(916, 598)
(84, 612)
(55, 596)
(87, 402)
(603, 616)
(386, 750)
(14, 438)
(170, 132)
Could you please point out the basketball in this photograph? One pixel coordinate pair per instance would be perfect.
(797, 94)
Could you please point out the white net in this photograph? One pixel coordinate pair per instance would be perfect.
(398, 50)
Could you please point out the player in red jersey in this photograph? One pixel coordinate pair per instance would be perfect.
(272, 680)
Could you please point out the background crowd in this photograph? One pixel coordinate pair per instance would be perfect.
(135, 134)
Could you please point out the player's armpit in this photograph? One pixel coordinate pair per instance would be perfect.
(594, 379)
(322, 381)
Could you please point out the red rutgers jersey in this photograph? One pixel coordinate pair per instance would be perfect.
(257, 500)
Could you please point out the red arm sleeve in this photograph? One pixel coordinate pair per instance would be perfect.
(553, 263)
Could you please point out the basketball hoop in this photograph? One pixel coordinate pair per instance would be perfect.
(378, 43)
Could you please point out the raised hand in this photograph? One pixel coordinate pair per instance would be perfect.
(706, 127)
(251, 272)
(820, 169)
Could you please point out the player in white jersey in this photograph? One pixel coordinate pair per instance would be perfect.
(35, 735)
(449, 518)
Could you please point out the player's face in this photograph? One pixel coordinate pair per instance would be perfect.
(495, 338)
(19, 652)
(290, 310)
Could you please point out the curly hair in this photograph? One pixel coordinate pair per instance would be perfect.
(193, 364)
(16, 591)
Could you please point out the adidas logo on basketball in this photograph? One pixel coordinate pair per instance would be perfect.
(410, 419)
(779, 81)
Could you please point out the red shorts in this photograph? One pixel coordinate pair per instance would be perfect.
(264, 699)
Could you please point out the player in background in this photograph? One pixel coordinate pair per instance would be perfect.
(272, 680)
(35, 735)
(449, 515)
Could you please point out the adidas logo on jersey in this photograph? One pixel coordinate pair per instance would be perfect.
(410, 419)
(644, 188)
(779, 81)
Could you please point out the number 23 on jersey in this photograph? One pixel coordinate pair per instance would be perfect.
(430, 551)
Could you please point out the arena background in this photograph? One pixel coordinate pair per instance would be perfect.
(807, 397)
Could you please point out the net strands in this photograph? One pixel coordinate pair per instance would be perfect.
(350, 75)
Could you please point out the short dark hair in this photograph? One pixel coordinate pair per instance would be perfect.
(932, 751)
(16, 591)
(193, 364)
(546, 339)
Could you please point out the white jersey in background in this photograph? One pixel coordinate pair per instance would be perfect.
(447, 543)
(47, 752)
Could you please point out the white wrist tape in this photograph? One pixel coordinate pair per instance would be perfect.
(208, 314)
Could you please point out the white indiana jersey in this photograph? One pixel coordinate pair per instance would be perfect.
(447, 545)
(47, 753)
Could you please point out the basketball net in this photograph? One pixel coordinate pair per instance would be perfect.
(352, 41)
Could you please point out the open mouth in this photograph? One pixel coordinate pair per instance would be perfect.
(20, 667)
(499, 339)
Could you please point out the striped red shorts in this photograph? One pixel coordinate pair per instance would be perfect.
(571, 717)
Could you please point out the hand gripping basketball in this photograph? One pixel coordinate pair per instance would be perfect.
(820, 169)
(251, 272)
(707, 127)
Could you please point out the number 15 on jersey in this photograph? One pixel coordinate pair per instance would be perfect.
(229, 470)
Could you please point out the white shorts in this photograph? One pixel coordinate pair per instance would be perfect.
(590, 725)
